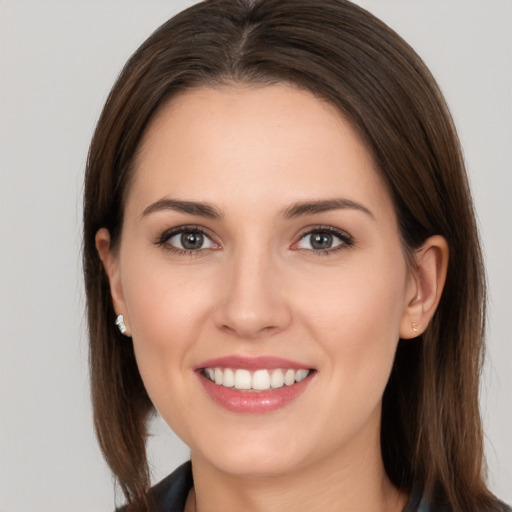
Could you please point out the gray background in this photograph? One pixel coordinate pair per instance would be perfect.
(58, 60)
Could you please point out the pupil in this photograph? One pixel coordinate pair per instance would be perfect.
(192, 240)
(321, 241)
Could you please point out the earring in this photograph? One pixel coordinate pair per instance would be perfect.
(120, 324)
(414, 326)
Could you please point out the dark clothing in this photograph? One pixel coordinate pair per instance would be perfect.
(171, 493)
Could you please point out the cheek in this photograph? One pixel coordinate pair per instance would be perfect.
(166, 309)
(356, 319)
(161, 297)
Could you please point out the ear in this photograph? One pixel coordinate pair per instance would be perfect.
(425, 286)
(111, 265)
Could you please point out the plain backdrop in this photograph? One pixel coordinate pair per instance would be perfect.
(58, 60)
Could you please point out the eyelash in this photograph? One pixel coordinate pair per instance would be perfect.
(346, 240)
(170, 233)
(163, 241)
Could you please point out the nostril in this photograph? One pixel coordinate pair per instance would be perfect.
(247, 331)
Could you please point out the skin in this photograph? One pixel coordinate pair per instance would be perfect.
(259, 288)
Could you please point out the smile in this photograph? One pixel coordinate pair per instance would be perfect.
(254, 385)
(258, 380)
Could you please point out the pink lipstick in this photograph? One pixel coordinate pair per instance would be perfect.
(254, 384)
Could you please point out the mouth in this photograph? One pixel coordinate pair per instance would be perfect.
(254, 384)
(258, 380)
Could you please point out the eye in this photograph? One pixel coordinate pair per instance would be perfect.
(324, 240)
(186, 240)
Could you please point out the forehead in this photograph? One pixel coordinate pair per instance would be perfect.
(273, 143)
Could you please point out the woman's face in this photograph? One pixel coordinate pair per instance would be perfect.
(260, 248)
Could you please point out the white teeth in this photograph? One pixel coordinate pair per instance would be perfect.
(260, 380)
(229, 378)
(277, 379)
(289, 377)
(242, 379)
(301, 375)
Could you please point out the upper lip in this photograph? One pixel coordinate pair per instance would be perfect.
(252, 363)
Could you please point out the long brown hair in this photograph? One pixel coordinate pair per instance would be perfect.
(431, 429)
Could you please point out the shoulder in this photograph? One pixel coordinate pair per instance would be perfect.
(171, 493)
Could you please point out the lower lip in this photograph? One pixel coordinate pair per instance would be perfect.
(255, 402)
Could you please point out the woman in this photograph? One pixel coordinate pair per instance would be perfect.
(281, 258)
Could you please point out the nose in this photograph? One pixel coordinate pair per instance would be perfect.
(253, 301)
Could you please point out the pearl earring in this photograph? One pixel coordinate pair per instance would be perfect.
(120, 324)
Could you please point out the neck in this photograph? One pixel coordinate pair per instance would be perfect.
(352, 479)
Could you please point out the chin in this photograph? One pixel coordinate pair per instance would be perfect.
(261, 465)
(252, 454)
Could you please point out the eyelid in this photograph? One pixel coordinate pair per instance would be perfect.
(164, 238)
(346, 239)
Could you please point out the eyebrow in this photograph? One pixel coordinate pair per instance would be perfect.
(314, 207)
(291, 212)
(192, 207)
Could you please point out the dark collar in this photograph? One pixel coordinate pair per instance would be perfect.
(171, 493)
